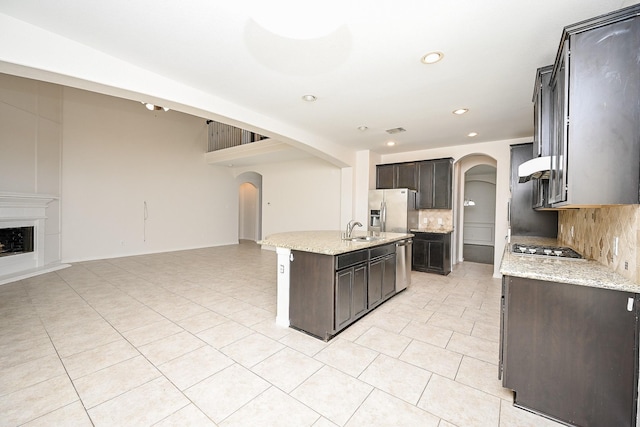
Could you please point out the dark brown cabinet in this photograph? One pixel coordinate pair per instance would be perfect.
(397, 175)
(542, 112)
(432, 252)
(435, 184)
(328, 293)
(432, 179)
(350, 294)
(595, 134)
(382, 275)
(541, 134)
(406, 176)
(385, 177)
(570, 352)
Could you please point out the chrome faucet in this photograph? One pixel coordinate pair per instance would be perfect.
(350, 226)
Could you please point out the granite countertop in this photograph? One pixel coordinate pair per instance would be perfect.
(326, 242)
(563, 270)
(439, 230)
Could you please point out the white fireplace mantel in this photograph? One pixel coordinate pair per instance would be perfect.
(25, 210)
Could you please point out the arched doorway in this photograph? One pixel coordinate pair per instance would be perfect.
(479, 206)
(480, 226)
(249, 206)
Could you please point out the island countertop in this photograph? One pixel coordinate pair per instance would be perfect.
(327, 242)
(578, 272)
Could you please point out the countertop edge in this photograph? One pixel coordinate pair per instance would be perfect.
(577, 272)
(326, 242)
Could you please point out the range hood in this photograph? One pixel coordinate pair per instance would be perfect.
(535, 168)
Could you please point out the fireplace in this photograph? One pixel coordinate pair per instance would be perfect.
(25, 247)
(16, 240)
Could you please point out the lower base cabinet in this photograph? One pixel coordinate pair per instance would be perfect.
(350, 294)
(432, 252)
(570, 352)
(328, 293)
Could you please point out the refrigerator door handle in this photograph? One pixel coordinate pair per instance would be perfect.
(383, 216)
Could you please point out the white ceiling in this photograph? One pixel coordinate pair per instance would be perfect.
(365, 70)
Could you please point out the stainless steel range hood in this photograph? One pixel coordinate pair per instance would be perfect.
(538, 167)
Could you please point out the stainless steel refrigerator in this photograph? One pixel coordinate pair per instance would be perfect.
(395, 211)
(392, 210)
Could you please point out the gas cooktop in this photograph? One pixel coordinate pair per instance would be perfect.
(548, 251)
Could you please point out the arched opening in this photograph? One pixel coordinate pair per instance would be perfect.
(475, 183)
(479, 206)
(249, 206)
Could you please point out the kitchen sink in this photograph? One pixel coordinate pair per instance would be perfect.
(364, 239)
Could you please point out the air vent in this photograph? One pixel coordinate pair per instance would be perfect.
(395, 130)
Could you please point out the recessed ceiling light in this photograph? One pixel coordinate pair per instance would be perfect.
(390, 144)
(460, 111)
(362, 128)
(309, 98)
(432, 57)
(472, 134)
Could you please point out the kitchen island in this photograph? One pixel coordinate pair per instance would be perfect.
(326, 282)
(569, 338)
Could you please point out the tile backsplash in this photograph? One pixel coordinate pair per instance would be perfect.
(593, 232)
(432, 216)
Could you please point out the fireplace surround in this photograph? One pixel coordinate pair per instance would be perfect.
(24, 211)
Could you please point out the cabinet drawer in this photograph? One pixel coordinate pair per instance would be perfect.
(351, 258)
(379, 251)
(432, 237)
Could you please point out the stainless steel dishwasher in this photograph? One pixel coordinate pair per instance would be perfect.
(403, 263)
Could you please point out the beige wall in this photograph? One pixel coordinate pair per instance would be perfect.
(300, 195)
(117, 156)
(31, 146)
(594, 231)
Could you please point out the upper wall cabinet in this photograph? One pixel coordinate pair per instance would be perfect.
(541, 133)
(595, 92)
(432, 179)
(397, 175)
(435, 184)
(542, 112)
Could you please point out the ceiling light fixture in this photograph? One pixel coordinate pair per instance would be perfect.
(152, 107)
(362, 128)
(309, 98)
(460, 111)
(390, 144)
(432, 57)
(472, 134)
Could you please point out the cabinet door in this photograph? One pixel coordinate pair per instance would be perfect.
(425, 185)
(385, 176)
(570, 351)
(442, 172)
(389, 276)
(405, 176)
(436, 256)
(542, 112)
(359, 291)
(344, 286)
(558, 173)
(376, 277)
(420, 253)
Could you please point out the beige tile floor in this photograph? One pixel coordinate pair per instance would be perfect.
(188, 338)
